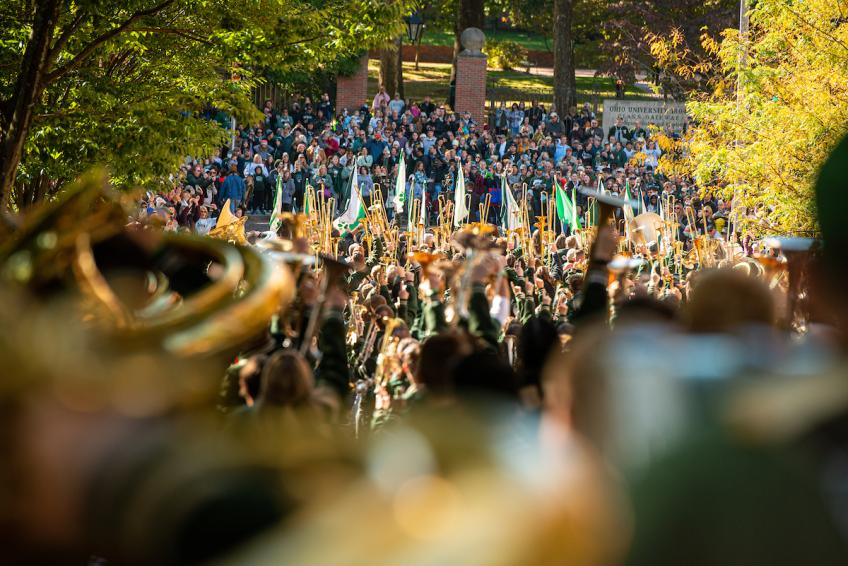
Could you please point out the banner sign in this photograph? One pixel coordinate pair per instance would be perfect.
(665, 115)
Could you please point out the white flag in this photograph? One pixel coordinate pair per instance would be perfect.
(355, 211)
(512, 213)
(460, 210)
(400, 186)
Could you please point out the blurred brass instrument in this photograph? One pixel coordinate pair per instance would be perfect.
(78, 244)
(228, 227)
(297, 224)
(388, 362)
(645, 228)
(424, 259)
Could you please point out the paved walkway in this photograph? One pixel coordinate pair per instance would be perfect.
(641, 83)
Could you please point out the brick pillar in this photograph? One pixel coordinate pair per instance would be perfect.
(352, 91)
(471, 85)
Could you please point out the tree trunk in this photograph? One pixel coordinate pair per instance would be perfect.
(388, 69)
(391, 67)
(17, 115)
(469, 14)
(565, 83)
(399, 66)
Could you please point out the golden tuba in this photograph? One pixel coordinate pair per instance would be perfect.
(208, 296)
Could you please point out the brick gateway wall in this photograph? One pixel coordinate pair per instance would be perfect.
(352, 91)
(471, 86)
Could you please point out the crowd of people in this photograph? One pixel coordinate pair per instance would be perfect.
(425, 314)
(316, 145)
(657, 393)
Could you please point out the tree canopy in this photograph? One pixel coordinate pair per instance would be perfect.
(629, 26)
(765, 148)
(131, 84)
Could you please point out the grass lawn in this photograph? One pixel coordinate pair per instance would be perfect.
(530, 40)
(511, 86)
(586, 55)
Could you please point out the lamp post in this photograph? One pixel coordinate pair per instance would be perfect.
(414, 31)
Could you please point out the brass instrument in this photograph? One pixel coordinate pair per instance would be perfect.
(551, 229)
(484, 209)
(444, 225)
(667, 203)
(645, 228)
(79, 243)
(693, 232)
(540, 230)
(387, 361)
(357, 320)
(412, 231)
(228, 227)
(468, 207)
(424, 259)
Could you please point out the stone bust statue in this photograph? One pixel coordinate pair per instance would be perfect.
(472, 40)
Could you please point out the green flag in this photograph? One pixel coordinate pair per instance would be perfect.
(576, 223)
(562, 204)
(307, 202)
(277, 214)
(566, 208)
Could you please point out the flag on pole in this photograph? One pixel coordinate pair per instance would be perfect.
(307, 201)
(575, 224)
(400, 186)
(277, 215)
(460, 210)
(355, 210)
(563, 204)
(511, 215)
(594, 211)
(410, 221)
(422, 217)
(628, 209)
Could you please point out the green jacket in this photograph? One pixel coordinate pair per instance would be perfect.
(480, 321)
(333, 370)
(434, 317)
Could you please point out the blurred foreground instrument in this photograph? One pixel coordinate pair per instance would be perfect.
(218, 295)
